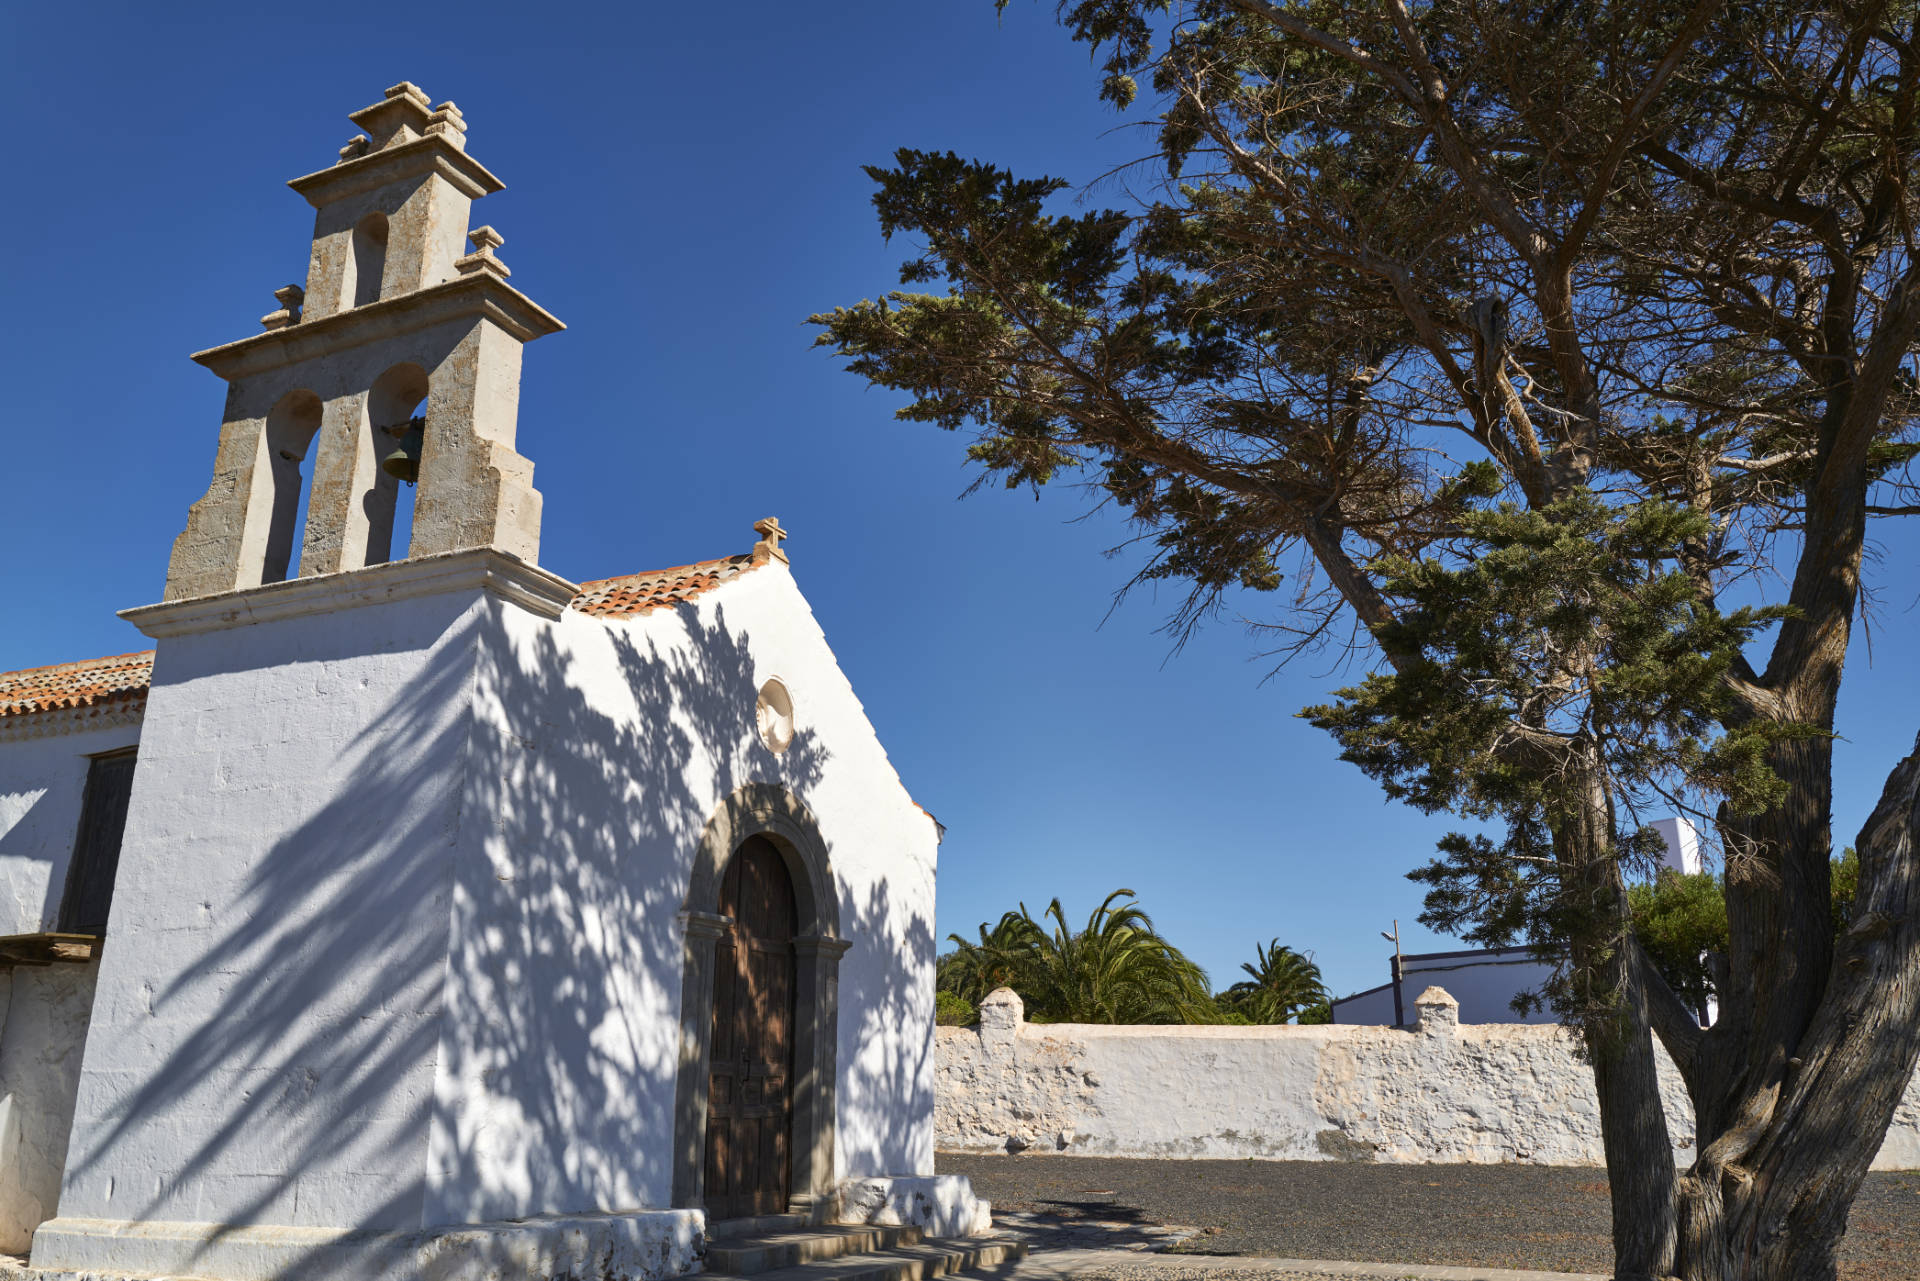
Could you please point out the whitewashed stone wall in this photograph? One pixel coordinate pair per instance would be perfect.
(43, 1031)
(1443, 1093)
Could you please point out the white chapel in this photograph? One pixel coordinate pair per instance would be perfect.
(425, 913)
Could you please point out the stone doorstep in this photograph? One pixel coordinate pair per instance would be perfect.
(1059, 1265)
(918, 1261)
(767, 1252)
(645, 1245)
(763, 1225)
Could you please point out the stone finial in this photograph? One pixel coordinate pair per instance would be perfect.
(289, 297)
(1436, 1013)
(1001, 1014)
(357, 146)
(768, 548)
(447, 122)
(485, 241)
(401, 116)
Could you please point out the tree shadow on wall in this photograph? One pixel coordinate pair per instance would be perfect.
(516, 927)
(886, 1025)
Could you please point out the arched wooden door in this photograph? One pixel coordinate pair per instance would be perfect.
(750, 1087)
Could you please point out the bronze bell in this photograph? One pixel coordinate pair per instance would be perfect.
(404, 462)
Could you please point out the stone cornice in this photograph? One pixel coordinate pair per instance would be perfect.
(54, 722)
(482, 568)
(392, 164)
(480, 294)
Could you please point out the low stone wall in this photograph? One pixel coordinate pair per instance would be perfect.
(1441, 1092)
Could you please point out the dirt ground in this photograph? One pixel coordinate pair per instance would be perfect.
(1554, 1218)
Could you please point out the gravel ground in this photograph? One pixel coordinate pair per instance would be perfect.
(1553, 1218)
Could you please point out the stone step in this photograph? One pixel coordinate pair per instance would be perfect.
(763, 1225)
(919, 1261)
(746, 1255)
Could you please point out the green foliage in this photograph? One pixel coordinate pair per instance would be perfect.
(1282, 986)
(1116, 969)
(1572, 648)
(950, 1010)
(1002, 958)
(1571, 624)
(1682, 920)
(1846, 888)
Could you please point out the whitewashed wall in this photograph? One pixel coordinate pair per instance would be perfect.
(261, 1047)
(602, 750)
(1467, 1093)
(43, 1031)
(43, 776)
(43, 1010)
(395, 936)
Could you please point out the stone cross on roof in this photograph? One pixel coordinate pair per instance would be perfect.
(768, 548)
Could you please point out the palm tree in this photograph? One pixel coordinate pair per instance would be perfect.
(1116, 970)
(1002, 958)
(1282, 984)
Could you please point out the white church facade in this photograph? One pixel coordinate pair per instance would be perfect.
(426, 913)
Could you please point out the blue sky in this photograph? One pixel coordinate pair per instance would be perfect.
(683, 189)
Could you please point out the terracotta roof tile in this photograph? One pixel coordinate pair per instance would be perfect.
(125, 677)
(639, 593)
(121, 678)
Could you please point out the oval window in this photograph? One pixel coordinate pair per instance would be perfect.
(773, 715)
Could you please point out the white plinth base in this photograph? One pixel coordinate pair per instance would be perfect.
(644, 1245)
(940, 1205)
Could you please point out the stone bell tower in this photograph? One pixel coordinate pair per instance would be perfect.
(400, 349)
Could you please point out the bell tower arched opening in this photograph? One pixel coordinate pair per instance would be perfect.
(369, 261)
(396, 409)
(291, 427)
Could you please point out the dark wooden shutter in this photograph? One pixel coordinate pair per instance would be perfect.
(96, 851)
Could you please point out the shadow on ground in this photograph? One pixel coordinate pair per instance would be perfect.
(1550, 1218)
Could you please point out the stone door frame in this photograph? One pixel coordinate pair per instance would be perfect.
(763, 809)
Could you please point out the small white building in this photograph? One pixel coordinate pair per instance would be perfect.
(1486, 981)
(463, 919)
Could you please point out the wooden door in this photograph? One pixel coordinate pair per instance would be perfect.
(750, 1082)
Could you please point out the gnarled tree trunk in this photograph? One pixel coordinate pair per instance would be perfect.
(1769, 1197)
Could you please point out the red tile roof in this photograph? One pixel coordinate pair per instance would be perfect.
(639, 593)
(121, 678)
(125, 677)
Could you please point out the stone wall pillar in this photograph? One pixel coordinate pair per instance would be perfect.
(1001, 1015)
(475, 490)
(1436, 1013)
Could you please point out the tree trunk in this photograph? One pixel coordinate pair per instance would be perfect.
(1769, 1197)
(1633, 1129)
(1616, 1029)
